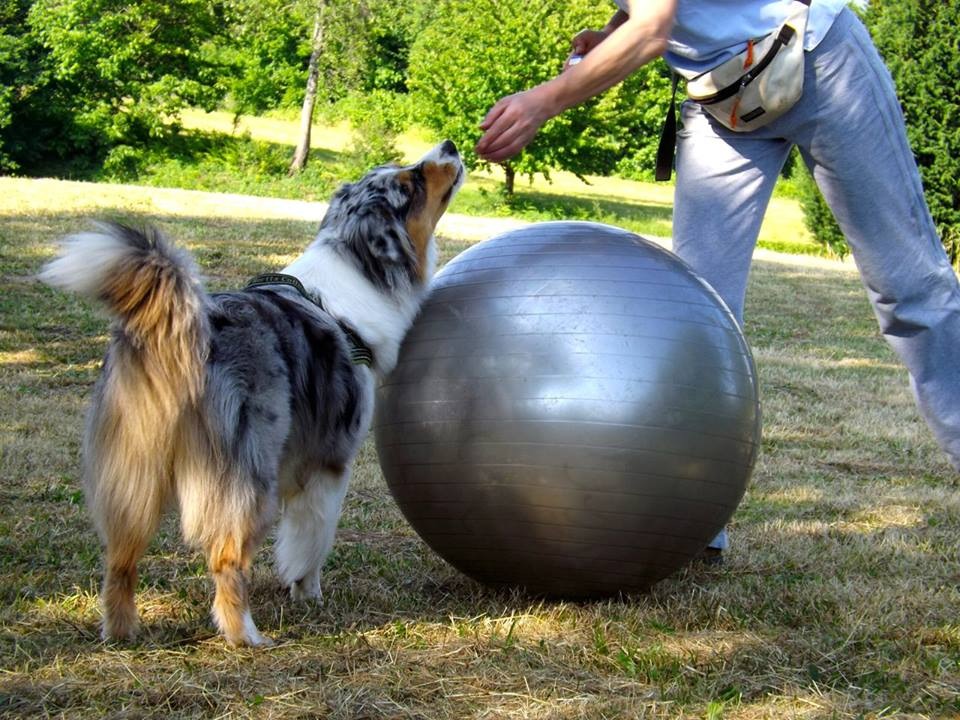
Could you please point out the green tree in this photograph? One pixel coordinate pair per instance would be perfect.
(339, 44)
(120, 70)
(15, 63)
(358, 58)
(393, 28)
(33, 123)
(918, 40)
(476, 51)
(264, 50)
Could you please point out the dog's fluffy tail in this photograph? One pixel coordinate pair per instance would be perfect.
(153, 374)
(155, 367)
(153, 291)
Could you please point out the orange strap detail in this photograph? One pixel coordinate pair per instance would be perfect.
(748, 61)
(733, 113)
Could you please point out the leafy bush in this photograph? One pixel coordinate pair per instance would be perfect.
(219, 162)
(376, 119)
(373, 144)
(392, 110)
(123, 163)
(130, 66)
(817, 215)
(918, 40)
(34, 126)
(83, 76)
(263, 51)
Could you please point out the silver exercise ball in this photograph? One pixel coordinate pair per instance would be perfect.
(574, 412)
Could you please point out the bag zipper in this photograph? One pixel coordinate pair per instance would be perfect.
(783, 38)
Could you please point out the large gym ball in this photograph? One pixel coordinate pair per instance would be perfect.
(574, 412)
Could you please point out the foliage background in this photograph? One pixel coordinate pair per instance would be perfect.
(918, 40)
(477, 51)
(95, 88)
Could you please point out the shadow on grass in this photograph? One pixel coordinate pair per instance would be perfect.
(586, 208)
(777, 628)
(196, 145)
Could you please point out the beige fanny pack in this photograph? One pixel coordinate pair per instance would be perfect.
(762, 82)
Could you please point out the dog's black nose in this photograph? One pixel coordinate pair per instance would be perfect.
(448, 148)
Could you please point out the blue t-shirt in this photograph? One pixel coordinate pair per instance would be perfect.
(707, 32)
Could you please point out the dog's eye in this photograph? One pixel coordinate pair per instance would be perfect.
(408, 182)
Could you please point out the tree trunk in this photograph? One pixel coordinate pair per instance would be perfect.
(310, 99)
(509, 174)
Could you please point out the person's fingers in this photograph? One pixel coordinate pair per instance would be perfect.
(508, 127)
(499, 120)
(488, 139)
(504, 154)
(492, 125)
(510, 150)
(504, 126)
(495, 143)
(493, 113)
(581, 41)
(509, 142)
(504, 141)
(586, 40)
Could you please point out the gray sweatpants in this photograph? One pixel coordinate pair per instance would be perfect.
(850, 131)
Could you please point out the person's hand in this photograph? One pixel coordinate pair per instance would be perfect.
(512, 123)
(583, 42)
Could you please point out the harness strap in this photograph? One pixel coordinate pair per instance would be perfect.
(360, 352)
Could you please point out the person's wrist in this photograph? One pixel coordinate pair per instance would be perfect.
(547, 100)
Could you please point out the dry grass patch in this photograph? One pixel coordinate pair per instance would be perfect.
(839, 597)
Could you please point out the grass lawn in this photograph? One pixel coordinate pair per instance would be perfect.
(839, 598)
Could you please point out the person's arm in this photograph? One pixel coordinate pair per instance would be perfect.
(586, 40)
(514, 120)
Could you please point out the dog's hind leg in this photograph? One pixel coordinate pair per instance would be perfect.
(307, 528)
(227, 517)
(125, 544)
(229, 559)
(125, 491)
(127, 513)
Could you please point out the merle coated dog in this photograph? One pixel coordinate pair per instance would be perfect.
(244, 406)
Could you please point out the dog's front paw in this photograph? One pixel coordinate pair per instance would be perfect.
(247, 635)
(307, 588)
(249, 639)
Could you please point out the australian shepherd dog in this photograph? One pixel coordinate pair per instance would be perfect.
(243, 407)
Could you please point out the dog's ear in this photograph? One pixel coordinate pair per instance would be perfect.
(370, 229)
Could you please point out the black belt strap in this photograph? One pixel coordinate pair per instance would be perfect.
(668, 136)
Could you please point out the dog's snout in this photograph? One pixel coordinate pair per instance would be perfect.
(448, 148)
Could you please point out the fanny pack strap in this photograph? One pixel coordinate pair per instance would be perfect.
(668, 136)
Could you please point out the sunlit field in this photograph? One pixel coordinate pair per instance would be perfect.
(838, 599)
(645, 208)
